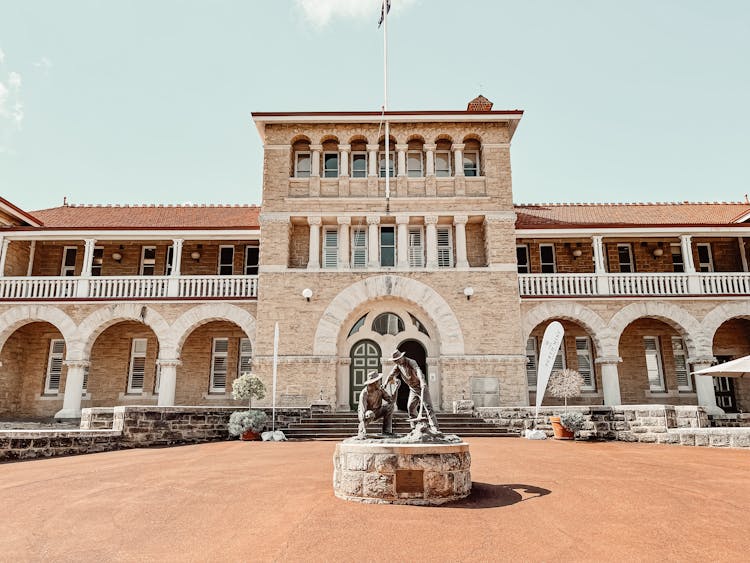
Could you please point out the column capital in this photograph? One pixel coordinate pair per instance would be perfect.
(460, 219)
(81, 364)
(402, 146)
(373, 220)
(458, 146)
(429, 146)
(402, 219)
(168, 362)
(315, 148)
(430, 219)
(344, 220)
(314, 221)
(612, 360)
(178, 241)
(345, 148)
(373, 147)
(89, 241)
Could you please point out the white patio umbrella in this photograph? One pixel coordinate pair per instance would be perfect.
(733, 368)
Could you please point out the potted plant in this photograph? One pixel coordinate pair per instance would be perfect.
(248, 424)
(565, 384)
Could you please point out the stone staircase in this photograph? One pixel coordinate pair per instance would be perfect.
(338, 426)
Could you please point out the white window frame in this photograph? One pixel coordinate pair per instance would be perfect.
(151, 261)
(542, 263)
(48, 380)
(69, 270)
(532, 357)
(587, 353)
(351, 167)
(381, 169)
(297, 173)
(528, 260)
(338, 164)
(94, 265)
(359, 252)
(213, 388)
(476, 157)
(245, 356)
(710, 264)
(134, 354)
(679, 352)
(440, 173)
(169, 260)
(219, 263)
(416, 251)
(395, 245)
(445, 250)
(677, 246)
(631, 261)
(247, 265)
(410, 171)
(661, 386)
(330, 257)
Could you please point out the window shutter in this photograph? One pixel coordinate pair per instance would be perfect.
(680, 364)
(445, 250)
(330, 248)
(85, 379)
(583, 351)
(531, 364)
(54, 365)
(359, 248)
(137, 372)
(219, 365)
(559, 358)
(416, 248)
(246, 356)
(653, 363)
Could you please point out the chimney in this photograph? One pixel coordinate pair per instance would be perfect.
(480, 103)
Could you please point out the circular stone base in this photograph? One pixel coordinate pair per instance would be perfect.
(402, 474)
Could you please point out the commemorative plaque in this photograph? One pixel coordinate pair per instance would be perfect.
(409, 481)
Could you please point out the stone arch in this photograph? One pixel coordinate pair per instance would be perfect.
(300, 138)
(415, 137)
(101, 319)
(376, 287)
(443, 137)
(574, 312)
(329, 139)
(721, 314)
(15, 318)
(358, 139)
(676, 317)
(472, 137)
(202, 314)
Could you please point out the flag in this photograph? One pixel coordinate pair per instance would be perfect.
(385, 8)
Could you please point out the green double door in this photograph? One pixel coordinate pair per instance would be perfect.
(365, 357)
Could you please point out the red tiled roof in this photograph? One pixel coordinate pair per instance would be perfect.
(18, 213)
(573, 215)
(150, 217)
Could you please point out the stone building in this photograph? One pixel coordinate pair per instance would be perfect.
(111, 305)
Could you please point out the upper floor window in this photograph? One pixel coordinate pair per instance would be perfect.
(359, 164)
(302, 164)
(388, 323)
(252, 258)
(547, 258)
(387, 246)
(625, 258)
(169, 261)
(226, 260)
(414, 164)
(148, 260)
(331, 165)
(471, 163)
(705, 258)
(68, 267)
(382, 165)
(359, 248)
(445, 247)
(330, 247)
(442, 163)
(522, 257)
(677, 262)
(416, 247)
(98, 258)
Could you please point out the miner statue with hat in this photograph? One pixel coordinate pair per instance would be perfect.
(375, 402)
(419, 405)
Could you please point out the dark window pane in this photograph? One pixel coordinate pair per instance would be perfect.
(387, 236)
(547, 254)
(149, 253)
(70, 257)
(387, 256)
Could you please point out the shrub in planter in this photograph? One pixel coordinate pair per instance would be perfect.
(565, 384)
(572, 421)
(248, 387)
(247, 421)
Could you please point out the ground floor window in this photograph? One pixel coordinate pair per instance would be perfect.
(654, 367)
(245, 364)
(585, 363)
(54, 367)
(219, 357)
(137, 369)
(680, 364)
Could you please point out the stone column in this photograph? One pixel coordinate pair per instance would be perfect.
(315, 151)
(600, 265)
(88, 260)
(610, 379)
(704, 384)
(743, 253)
(429, 159)
(344, 159)
(372, 160)
(343, 257)
(373, 245)
(313, 261)
(402, 241)
(73, 389)
(32, 251)
(460, 223)
(458, 159)
(693, 281)
(401, 159)
(167, 380)
(4, 242)
(431, 240)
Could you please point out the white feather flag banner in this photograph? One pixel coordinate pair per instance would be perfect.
(547, 353)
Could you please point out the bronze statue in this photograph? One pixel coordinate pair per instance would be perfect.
(375, 402)
(419, 404)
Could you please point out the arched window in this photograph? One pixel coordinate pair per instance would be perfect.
(420, 327)
(359, 324)
(472, 154)
(301, 159)
(388, 323)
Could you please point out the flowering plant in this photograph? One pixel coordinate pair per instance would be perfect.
(565, 384)
(572, 421)
(242, 421)
(248, 387)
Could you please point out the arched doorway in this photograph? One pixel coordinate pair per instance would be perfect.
(414, 350)
(365, 357)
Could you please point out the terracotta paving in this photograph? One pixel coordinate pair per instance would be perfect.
(240, 501)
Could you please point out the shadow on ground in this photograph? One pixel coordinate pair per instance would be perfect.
(485, 495)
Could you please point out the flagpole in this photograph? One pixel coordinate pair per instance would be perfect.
(385, 108)
(275, 365)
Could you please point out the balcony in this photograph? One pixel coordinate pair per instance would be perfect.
(615, 285)
(128, 287)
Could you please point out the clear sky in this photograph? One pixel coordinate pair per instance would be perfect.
(149, 100)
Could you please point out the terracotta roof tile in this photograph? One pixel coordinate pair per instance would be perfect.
(572, 215)
(151, 216)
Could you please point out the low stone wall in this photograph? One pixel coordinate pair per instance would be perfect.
(29, 444)
(741, 420)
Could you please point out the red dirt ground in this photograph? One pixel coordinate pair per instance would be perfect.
(243, 501)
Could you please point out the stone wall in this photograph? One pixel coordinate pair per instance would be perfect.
(16, 445)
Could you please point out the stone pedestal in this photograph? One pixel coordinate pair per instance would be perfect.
(384, 473)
